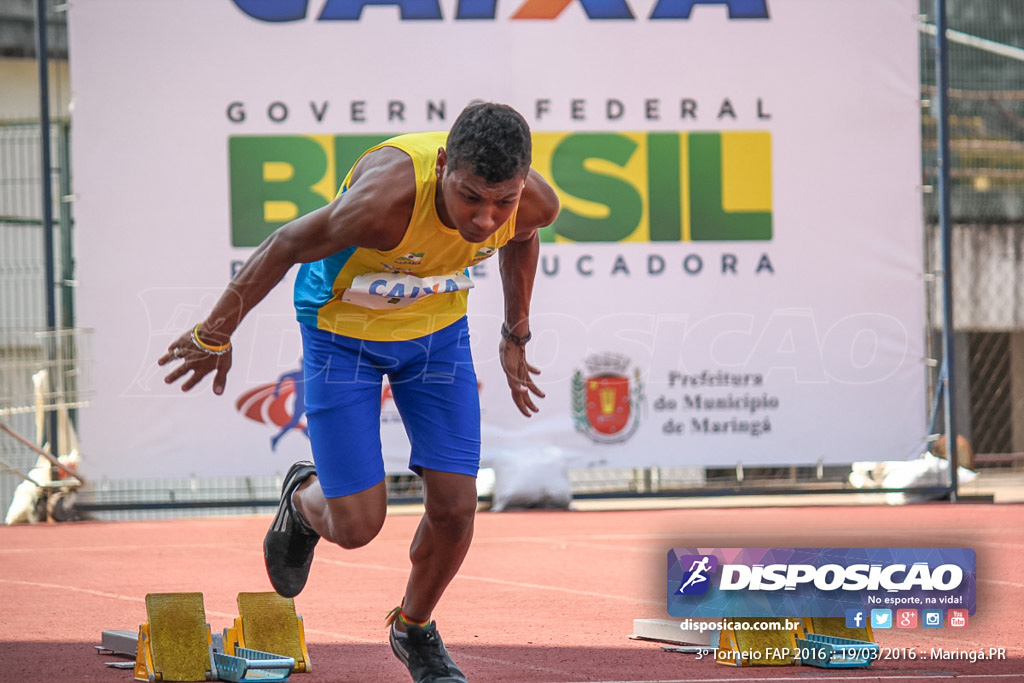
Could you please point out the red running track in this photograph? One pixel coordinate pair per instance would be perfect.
(545, 597)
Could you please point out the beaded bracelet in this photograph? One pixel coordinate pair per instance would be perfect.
(208, 348)
(514, 338)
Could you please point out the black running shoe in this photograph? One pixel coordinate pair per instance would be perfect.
(425, 655)
(288, 545)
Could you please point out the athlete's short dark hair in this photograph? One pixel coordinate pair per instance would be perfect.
(491, 140)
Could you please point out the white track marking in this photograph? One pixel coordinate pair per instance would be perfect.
(502, 582)
(888, 675)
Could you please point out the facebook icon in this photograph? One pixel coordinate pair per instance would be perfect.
(855, 618)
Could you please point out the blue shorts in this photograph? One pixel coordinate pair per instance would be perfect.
(435, 390)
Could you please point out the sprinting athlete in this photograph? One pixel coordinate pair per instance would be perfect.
(382, 291)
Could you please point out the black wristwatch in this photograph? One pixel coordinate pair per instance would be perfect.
(514, 338)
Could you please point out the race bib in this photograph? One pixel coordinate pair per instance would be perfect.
(381, 291)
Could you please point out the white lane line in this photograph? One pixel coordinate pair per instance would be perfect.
(1002, 583)
(967, 534)
(511, 664)
(122, 548)
(502, 582)
(134, 598)
(308, 631)
(893, 675)
(358, 639)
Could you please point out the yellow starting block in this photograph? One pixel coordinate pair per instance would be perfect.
(175, 644)
(738, 646)
(268, 622)
(836, 627)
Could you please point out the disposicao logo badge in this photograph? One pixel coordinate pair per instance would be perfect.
(876, 584)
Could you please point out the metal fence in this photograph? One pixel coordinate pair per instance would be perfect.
(986, 106)
(987, 125)
(42, 371)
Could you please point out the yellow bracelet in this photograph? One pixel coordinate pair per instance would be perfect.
(208, 348)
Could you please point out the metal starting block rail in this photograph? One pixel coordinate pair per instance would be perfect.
(829, 644)
(831, 652)
(268, 622)
(823, 642)
(252, 665)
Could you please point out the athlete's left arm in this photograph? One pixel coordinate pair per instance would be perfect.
(538, 207)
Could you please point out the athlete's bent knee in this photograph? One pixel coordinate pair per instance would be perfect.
(351, 537)
(453, 517)
(353, 526)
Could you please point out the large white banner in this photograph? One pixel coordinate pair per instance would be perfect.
(735, 275)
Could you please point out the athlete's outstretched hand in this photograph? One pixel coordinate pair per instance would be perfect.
(519, 374)
(197, 360)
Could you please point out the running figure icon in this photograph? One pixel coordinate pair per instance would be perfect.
(697, 573)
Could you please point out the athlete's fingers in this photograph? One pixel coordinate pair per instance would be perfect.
(521, 403)
(220, 380)
(176, 374)
(521, 384)
(532, 389)
(521, 397)
(519, 374)
(528, 402)
(532, 386)
(178, 349)
(174, 352)
(196, 377)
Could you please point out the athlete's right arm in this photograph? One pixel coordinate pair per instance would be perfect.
(373, 213)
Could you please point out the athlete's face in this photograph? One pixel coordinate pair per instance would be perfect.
(473, 206)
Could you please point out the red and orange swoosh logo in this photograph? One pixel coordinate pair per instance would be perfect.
(260, 404)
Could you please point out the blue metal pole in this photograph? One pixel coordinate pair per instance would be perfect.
(46, 163)
(46, 181)
(946, 236)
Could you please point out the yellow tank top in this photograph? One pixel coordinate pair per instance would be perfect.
(418, 287)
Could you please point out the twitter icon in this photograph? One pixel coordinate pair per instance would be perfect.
(881, 618)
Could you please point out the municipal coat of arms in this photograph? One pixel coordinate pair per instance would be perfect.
(607, 401)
